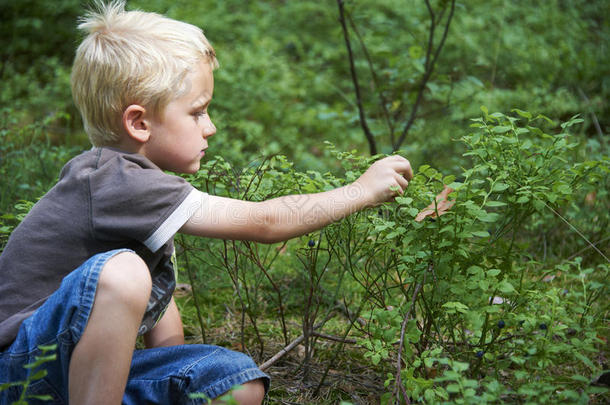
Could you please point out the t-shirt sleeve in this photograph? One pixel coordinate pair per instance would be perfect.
(128, 201)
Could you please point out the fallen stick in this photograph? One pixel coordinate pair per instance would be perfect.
(296, 342)
(281, 353)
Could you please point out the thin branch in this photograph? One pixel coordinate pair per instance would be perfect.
(444, 37)
(367, 132)
(403, 329)
(281, 353)
(431, 35)
(382, 100)
(193, 289)
(592, 245)
(253, 255)
(334, 338)
(291, 346)
(598, 127)
(429, 68)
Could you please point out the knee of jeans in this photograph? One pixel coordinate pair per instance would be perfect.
(126, 278)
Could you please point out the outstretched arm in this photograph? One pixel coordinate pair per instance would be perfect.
(286, 217)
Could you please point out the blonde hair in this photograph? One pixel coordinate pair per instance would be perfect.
(131, 57)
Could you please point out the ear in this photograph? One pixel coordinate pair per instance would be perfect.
(136, 126)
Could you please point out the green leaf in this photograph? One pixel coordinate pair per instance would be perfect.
(488, 217)
(564, 189)
(404, 200)
(581, 378)
(469, 392)
(493, 272)
(454, 306)
(428, 362)
(524, 114)
(585, 360)
(506, 287)
(460, 366)
(481, 234)
(38, 375)
(491, 203)
(501, 129)
(448, 179)
(499, 186)
(455, 185)
(41, 397)
(453, 388)
(413, 211)
(572, 121)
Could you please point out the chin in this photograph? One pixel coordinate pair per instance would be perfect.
(193, 170)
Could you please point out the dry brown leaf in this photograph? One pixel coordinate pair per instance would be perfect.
(442, 206)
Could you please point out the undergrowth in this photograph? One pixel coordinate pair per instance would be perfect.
(466, 307)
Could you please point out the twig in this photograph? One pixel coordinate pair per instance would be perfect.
(592, 245)
(403, 329)
(382, 100)
(367, 131)
(598, 127)
(281, 353)
(298, 341)
(193, 289)
(337, 350)
(291, 346)
(256, 260)
(334, 338)
(429, 68)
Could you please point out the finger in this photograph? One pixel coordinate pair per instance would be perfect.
(409, 172)
(402, 182)
(404, 167)
(400, 165)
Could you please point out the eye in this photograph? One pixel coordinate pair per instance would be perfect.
(199, 113)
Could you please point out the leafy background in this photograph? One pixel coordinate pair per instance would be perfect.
(283, 91)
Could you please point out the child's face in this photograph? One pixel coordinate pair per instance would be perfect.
(179, 136)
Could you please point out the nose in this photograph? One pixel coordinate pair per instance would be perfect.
(209, 129)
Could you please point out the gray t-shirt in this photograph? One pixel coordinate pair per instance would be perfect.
(105, 199)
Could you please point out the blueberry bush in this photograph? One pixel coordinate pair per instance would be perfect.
(462, 307)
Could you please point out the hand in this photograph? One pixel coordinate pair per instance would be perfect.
(385, 179)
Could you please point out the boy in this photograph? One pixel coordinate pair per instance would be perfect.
(89, 268)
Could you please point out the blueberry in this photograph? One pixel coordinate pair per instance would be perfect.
(543, 326)
(311, 243)
(480, 354)
(501, 324)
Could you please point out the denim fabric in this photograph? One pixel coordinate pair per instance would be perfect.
(164, 375)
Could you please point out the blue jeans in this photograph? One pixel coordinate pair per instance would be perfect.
(166, 375)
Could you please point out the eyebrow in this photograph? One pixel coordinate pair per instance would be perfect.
(201, 101)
